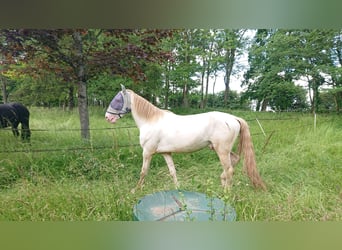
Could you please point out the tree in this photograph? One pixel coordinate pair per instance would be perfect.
(209, 58)
(179, 70)
(5, 67)
(310, 56)
(199, 54)
(334, 70)
(78, 54)
(286, 96)
(282, 56)
(261, 71)
(232, 43)
(186, 65)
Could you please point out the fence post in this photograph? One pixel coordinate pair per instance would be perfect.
(260, 127)
(266, 142)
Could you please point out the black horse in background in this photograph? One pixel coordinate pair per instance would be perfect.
(11, 114)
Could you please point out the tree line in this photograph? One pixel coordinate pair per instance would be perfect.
(286, 70)
(280, 58)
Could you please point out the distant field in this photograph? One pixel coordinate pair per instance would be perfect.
(59, 177)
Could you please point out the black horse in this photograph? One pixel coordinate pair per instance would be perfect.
(11, 114)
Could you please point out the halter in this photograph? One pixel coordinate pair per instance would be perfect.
(120, 105)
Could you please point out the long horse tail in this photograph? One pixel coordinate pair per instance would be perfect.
(246, 147)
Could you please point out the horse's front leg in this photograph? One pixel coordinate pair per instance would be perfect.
(15, 131)
(172, 169)
(144, 169)
(25, 131)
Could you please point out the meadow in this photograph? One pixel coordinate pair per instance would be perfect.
(59, 177)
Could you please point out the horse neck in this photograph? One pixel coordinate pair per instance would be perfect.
(143, 111)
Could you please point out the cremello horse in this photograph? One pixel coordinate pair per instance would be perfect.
(164, 132)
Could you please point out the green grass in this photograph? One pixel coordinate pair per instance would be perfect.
(59, 177)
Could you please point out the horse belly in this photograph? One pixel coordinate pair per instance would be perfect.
(178, 145)
(184, 137)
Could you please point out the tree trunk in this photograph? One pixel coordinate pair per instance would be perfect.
(82, 86)
(230, 58)
(315, 96)
(214, 97)
(83, 110)
(71, 101)
(226, 92)
(205, 100)
(258, 104)
(264, 105)
(167, 87)
(339, 102)
(202, 88)
(4, 90)
(185, 96)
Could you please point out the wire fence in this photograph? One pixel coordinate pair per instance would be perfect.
(90, 147)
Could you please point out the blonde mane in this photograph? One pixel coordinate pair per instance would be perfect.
(145, 109)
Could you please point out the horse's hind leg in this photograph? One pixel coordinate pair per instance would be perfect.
(234, 158)
(172, 169)
(228, 170)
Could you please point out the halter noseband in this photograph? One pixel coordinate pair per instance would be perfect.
(119, 113)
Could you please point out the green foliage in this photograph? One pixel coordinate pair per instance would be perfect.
(217, 100)
(102, 88)
(198, 56)
(287, 96)
(278, 57)
(59, 177)
(46, 90)
(172, 68)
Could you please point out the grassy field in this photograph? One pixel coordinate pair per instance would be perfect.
(59, 177)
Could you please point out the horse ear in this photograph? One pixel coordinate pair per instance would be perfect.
(123, 89)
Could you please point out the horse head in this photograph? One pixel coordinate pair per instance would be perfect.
(119, 106)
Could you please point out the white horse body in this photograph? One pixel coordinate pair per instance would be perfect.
(178, 133)
(164, 132)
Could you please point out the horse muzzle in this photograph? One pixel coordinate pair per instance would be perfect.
(112, 118)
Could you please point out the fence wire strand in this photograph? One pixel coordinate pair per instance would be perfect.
(116, 146)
